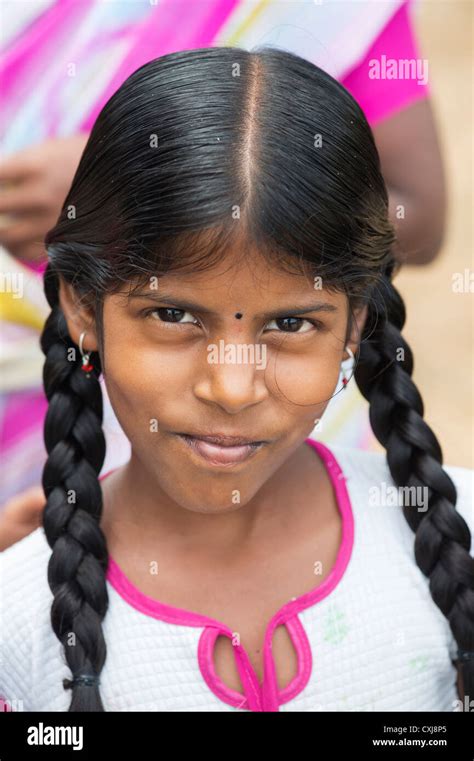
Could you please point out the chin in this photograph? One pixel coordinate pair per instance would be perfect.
(209, 501)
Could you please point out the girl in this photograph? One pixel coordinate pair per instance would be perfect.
(46, 118)
(224, 247)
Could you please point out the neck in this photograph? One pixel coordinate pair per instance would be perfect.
(139, 513)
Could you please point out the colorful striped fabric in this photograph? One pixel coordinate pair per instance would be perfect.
(61, 60)
(59, 70)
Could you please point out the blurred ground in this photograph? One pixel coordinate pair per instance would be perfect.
(440, 322)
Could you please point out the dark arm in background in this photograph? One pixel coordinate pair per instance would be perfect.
(413, 171)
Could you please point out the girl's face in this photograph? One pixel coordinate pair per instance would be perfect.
(219, 352)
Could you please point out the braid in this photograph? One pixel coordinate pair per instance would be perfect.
(414, 458)
(76, 447)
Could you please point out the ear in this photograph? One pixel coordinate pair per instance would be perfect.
(359, 316)
(78, 316)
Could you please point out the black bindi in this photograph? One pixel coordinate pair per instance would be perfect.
(238, 315)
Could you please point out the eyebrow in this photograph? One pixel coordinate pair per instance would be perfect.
(319, 306)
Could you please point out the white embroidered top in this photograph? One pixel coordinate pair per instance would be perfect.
(368, 638)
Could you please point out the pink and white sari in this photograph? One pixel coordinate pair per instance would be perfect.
(60, 61)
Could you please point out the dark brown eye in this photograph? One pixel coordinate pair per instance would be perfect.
(293, 324)
(169, 316)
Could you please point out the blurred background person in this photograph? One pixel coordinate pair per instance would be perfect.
(61, 62)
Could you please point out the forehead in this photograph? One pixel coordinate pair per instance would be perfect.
(243, 277)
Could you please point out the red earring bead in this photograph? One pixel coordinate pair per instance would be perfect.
(86, 365)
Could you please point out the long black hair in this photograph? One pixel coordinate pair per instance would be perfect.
(194, 148)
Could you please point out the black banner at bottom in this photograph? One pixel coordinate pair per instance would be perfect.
(424, 735)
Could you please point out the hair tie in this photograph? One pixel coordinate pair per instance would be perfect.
(88, 680)
(465, 655)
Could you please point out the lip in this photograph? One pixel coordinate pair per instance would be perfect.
(223, 439)
(221, 455)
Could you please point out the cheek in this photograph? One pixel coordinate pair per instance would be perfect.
(143, 384)
(142, 377)
(148, 383)
(305, 378)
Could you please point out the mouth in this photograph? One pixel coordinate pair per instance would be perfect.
(222, 451)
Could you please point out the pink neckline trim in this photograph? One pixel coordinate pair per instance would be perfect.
(268, 696)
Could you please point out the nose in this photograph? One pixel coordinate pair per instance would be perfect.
(233, 377)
